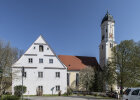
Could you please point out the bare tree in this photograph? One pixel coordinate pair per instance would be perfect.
(86, 78)
(8, 56)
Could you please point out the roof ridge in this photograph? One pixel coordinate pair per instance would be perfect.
(77, 56)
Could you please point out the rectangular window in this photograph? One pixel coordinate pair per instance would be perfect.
(40, 60)
(51, 61)
(41, 49)
(68, 79)
(40, 74)
(57, 74)
(57, 88)
(30, 60)
(24, 74)
(77, 79)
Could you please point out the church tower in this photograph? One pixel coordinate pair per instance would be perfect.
(107, 39)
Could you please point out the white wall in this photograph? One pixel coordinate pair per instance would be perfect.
(49, 79)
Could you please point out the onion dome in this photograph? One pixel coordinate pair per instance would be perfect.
(108, 17)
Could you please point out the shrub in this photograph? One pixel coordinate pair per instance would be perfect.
(65, 94)
(10, 97)
(18, 90)
(8, 93)
(95, 94)
(69, 91)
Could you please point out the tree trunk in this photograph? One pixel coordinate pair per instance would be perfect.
(121, 86)
(111, 89)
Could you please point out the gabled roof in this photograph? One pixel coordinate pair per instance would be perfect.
(76, 63)
(34, 52)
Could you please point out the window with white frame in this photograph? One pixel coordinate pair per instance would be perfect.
(50, 61)
(40, 60)
(58, 88)
(40, 74)
(57, 74)
(30, 60)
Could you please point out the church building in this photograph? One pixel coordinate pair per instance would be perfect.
(44, 73)
(74, 65)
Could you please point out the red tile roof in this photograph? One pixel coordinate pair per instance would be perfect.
(76, 63)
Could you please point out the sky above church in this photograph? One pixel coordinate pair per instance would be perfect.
(71, 27)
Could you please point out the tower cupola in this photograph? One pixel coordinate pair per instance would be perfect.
(108, 17)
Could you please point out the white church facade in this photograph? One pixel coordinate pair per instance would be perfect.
(43, 71)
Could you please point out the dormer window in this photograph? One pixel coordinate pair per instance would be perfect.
(41, 49)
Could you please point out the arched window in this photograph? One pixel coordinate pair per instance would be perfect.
(77, 79)
(111, 45)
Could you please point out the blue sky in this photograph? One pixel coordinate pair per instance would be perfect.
(71, 27)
